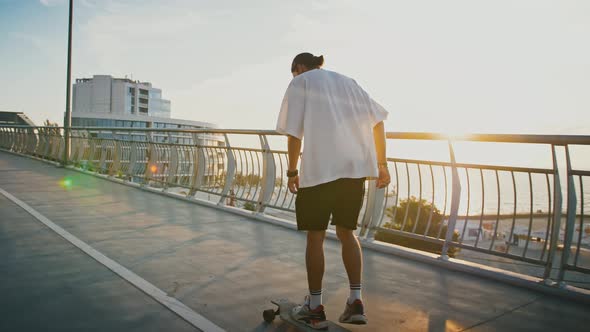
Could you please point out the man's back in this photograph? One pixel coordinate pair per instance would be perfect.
(336, 117)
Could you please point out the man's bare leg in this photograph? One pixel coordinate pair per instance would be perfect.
(351, 254)
(314, 259)
(354, 312)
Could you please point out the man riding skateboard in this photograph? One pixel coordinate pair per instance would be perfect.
(344, 144)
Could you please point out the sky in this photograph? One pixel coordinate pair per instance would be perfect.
(502, 66)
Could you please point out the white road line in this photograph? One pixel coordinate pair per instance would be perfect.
(171, 303)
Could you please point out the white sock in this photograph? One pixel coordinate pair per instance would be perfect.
(355, 293)
(315, 299)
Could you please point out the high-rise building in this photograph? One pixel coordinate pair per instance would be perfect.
(118, 96)
(104, 101)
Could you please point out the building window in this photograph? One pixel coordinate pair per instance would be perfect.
(143, 101)
(144, 92)
(143, 110)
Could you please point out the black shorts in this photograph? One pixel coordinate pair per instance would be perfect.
(342, 199)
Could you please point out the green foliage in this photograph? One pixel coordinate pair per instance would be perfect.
(418, 213)
(250, 179)
(250, 206)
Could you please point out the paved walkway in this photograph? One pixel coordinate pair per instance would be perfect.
(222, 266)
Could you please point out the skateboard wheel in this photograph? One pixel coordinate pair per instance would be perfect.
(268, 315)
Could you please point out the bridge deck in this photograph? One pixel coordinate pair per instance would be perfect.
(222, 266)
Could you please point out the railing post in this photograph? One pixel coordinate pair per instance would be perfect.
(52, 141)
(92, 144)
(23, 141)
(61, 148)
(117, 152)
(23, 144)
(19, 140)
(147, 175)
(230, 171)
(13, 141)
(378, 211)
(268, 175)
(30, 138)
(557, 202)
(103, 155)
(45, 150)
(17, 147)
(3, 138)
(86, 155)
(79, 147)
(172, 165)
(35, 141)
(368, 215)
(374, 210)
(133, 158)
(199, 168)
(571, 219)
(455, 200)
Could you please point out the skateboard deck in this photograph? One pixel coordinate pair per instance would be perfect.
(284, 311)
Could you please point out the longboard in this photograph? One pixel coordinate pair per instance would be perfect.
(284, 311)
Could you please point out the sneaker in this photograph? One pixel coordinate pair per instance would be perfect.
(316, 318)
(354, 313)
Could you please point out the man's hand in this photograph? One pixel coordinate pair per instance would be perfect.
(293, 184)
(384, 177)
(379, 137)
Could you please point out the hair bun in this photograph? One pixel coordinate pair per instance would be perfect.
(319, 60)
(309, 60)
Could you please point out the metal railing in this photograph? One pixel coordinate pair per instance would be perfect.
(511, 213)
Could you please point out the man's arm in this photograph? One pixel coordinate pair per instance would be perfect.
(294, 150)
(380, 143)
(379, 137)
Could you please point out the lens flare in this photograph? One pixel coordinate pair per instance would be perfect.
(66, 183)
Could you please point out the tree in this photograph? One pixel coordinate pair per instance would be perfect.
(421, 210)
(54, 130)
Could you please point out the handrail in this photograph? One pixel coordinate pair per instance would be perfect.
(495, 138)
(474, 137)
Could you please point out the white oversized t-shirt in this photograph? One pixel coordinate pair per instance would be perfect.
(336, 117)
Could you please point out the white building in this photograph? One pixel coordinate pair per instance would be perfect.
(104, 101)
(118, 96)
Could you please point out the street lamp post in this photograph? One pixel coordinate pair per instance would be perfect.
(68, 115)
